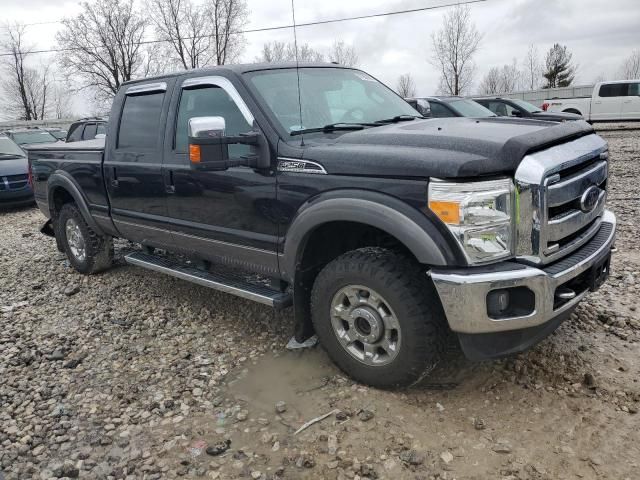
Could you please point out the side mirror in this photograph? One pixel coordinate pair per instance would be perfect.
(209, 146)
(206, 148)
(516, 113)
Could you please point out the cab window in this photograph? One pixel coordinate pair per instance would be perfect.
(440, 111)
(210, 101)
(140, 121)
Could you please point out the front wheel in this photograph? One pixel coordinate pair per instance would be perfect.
(378, 317)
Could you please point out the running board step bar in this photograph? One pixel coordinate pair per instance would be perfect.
(224, 282)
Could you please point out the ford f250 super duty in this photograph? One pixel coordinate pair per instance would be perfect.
(616, 101)
(319, 188)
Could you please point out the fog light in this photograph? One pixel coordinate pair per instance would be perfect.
(510, 303)
(497, 303)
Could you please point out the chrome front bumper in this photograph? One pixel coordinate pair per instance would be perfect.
(463, 292)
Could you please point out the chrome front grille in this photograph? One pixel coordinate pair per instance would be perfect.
(561, 198)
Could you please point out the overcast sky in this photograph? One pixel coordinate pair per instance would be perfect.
(599, 33)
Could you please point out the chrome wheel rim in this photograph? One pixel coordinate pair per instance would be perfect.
(365, 325)
(75, 239)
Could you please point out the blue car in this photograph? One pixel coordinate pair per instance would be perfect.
(15, 187)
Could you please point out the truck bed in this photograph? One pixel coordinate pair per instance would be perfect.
(79, 162)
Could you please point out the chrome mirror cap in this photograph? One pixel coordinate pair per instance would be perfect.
(207, 127)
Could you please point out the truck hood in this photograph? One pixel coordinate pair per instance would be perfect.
(14, 166)
(446, 148)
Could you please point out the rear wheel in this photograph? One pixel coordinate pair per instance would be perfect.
(378, 317)
(87, 251)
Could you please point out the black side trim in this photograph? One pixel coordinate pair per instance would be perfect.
(487, 346)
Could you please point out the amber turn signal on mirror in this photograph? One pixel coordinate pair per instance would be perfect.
(194, 153)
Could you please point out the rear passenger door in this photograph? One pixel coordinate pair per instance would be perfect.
(631, 103)
(133, 166)
(608, 104)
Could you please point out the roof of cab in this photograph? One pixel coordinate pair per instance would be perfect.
(239, 69)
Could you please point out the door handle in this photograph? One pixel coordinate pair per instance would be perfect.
(114, 178)
(171, 186)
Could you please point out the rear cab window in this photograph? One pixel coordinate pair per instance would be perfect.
(140, 120)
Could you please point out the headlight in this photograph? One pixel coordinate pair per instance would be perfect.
(479, 214)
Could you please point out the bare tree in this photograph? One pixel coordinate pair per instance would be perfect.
(559, 71)
(61, 101)
(491, 84)
(306, 53)
(343, 54)
(406, 87)
(228, 17)
(510, 77)
(532, 68)
(454, 47)
(286, 52)
(273, 52)
(630, 69)
(26, 88)
(185, 28)
(103, 45)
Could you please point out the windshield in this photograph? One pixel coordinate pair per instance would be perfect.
(35, 136)
(469, 108)
(8, 149)
(526, 106)
(59, 134)
(328, 96)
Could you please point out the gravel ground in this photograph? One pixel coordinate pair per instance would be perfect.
(134, 375)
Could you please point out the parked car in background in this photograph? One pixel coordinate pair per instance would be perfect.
(421, 105)
(30, 136)
(443, 107)
(87, 129)
(59, 133)
(384, 231)
(615, 101)
(510, 107)
(15, 187)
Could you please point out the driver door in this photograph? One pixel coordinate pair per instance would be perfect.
(219, 215)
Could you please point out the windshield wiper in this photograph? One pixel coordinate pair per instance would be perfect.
(399, 118)
(10, 155)
(332, 127)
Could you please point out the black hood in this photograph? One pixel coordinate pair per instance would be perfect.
(447, 148)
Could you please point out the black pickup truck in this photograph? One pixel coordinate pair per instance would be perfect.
(319, 188)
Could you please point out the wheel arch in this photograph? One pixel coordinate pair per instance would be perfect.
(413, 229)
(62, 186)
(385, 218)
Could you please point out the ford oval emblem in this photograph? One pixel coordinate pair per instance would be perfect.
(589, 199)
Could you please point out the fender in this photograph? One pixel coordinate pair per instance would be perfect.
(62, 179)
(424, 236)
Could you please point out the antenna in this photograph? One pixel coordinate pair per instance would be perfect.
(295, 44)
